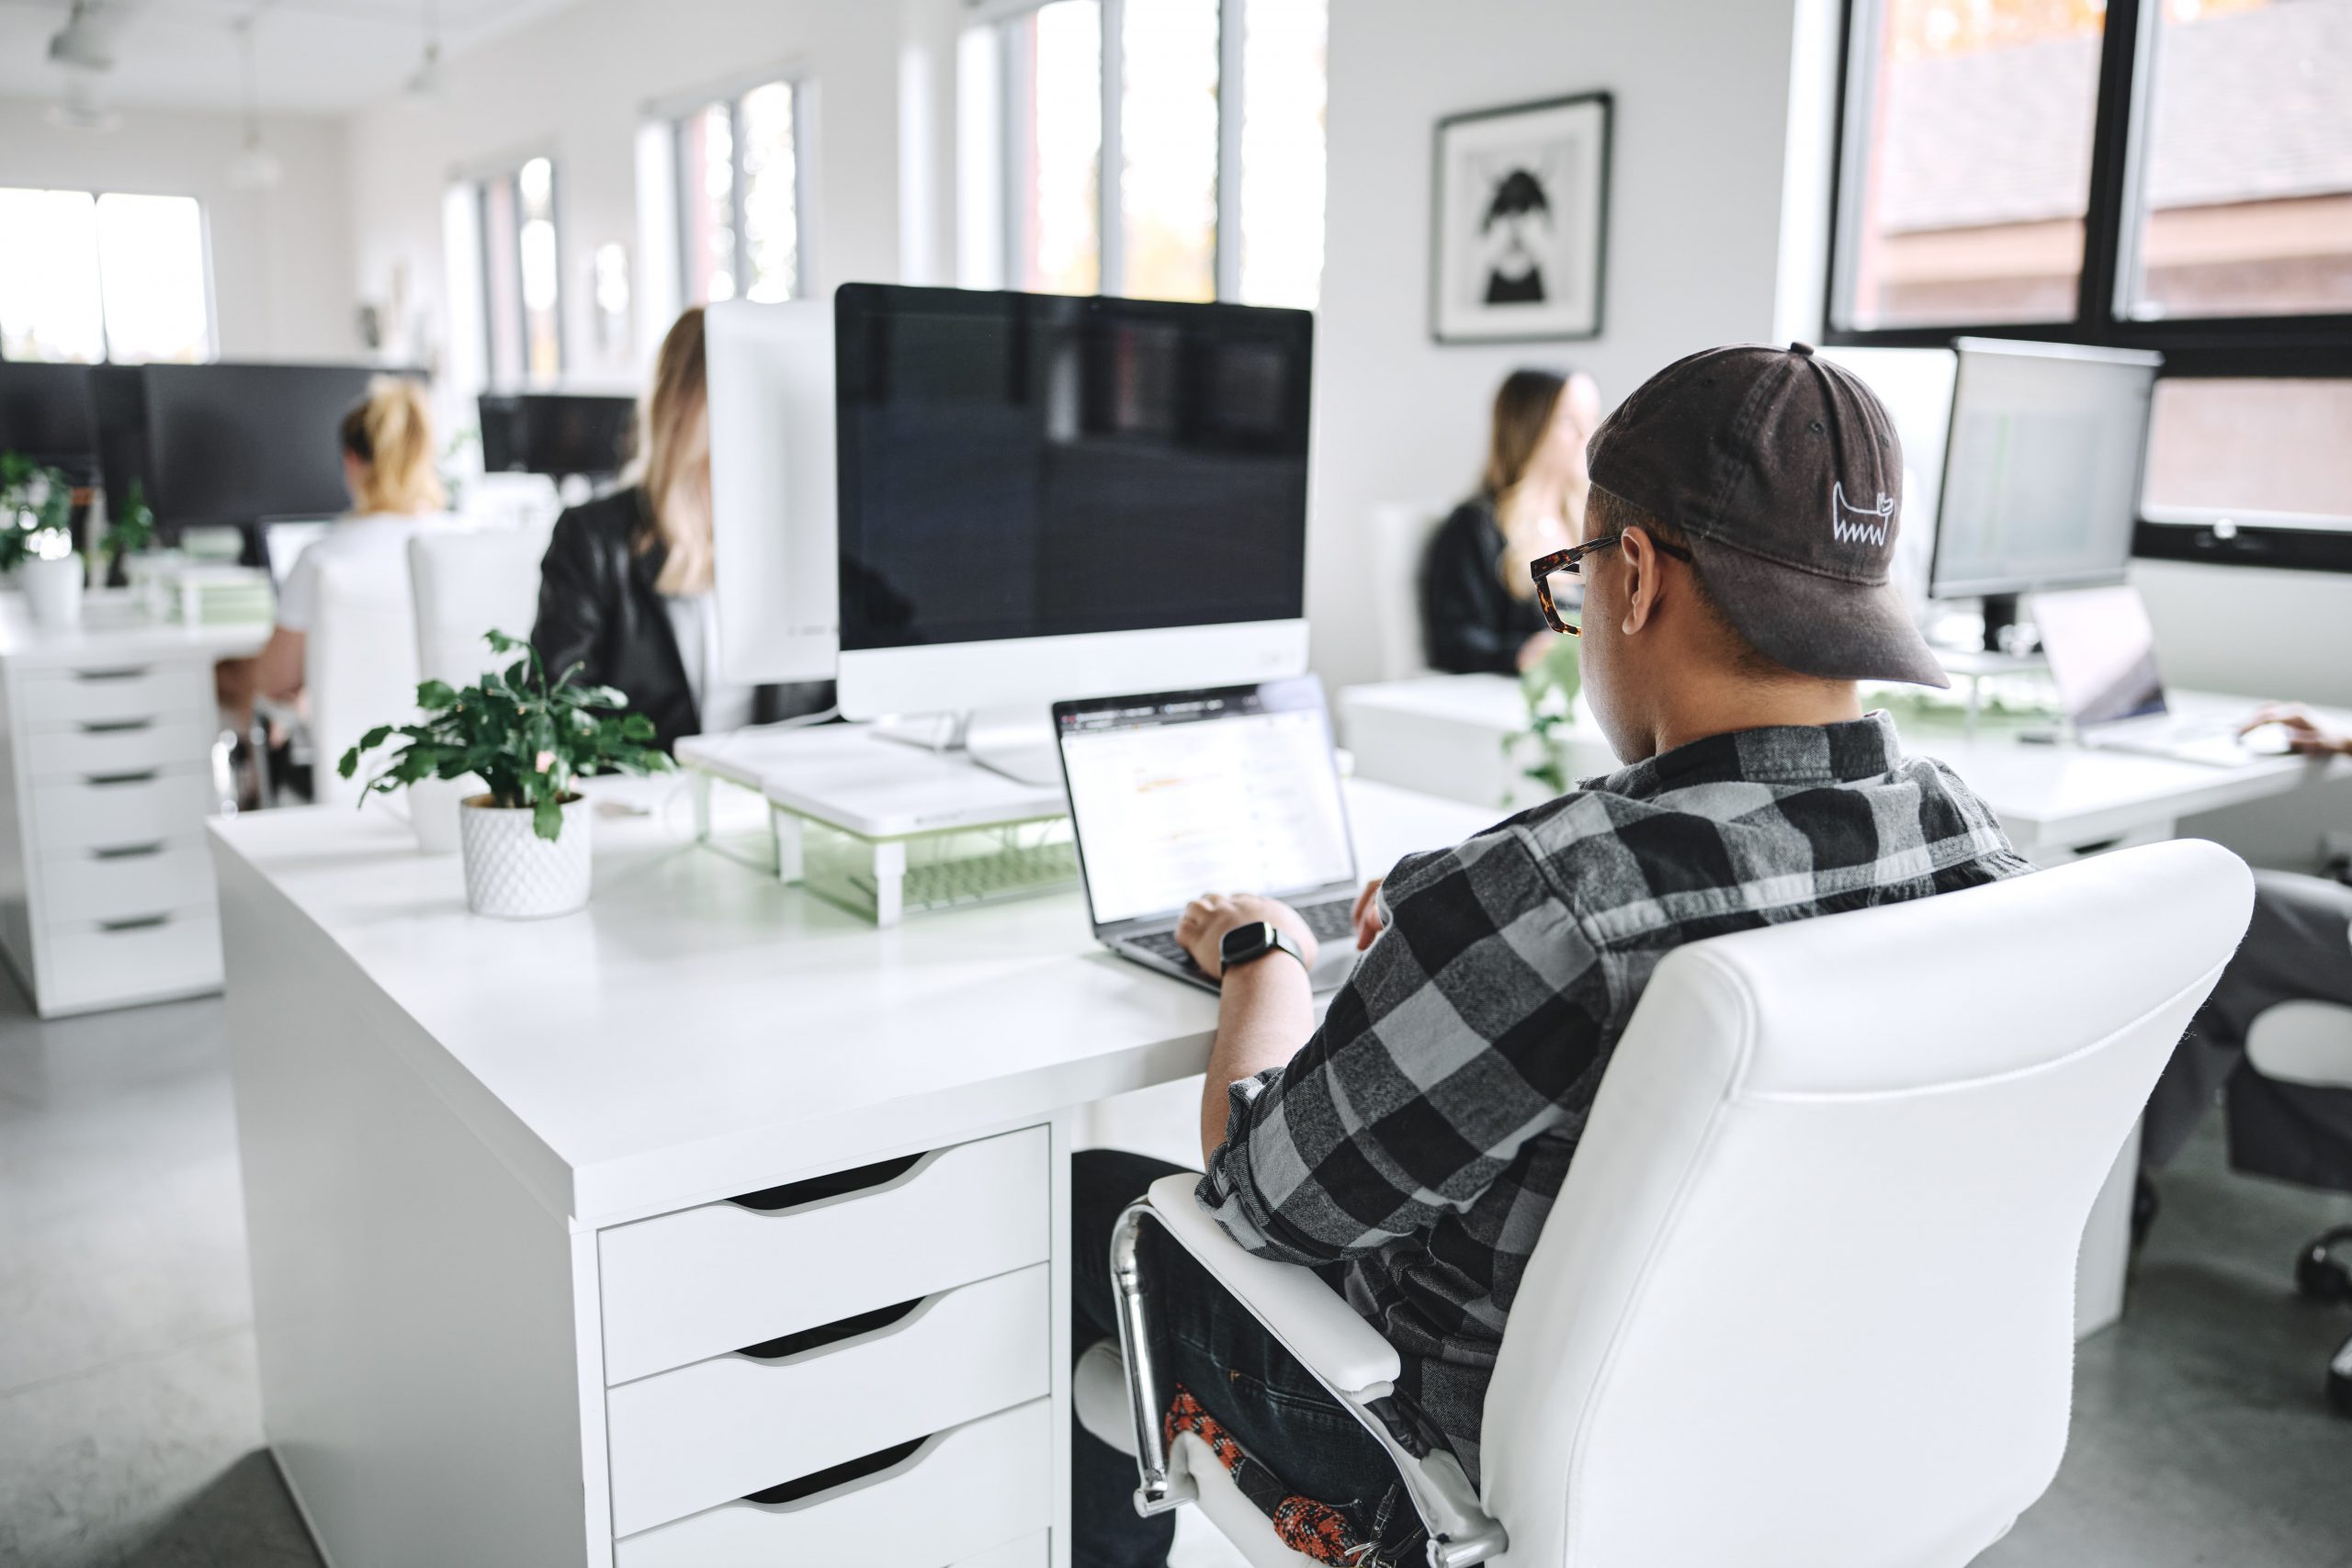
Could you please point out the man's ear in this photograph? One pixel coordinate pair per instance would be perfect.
(1642, 563)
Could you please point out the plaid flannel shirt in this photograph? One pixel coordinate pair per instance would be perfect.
(1419, 1138)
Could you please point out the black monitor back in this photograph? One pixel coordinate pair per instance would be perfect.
(232, 444)
(556, 433)
(45, 415)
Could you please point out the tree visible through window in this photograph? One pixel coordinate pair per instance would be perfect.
(738, 197)
(87, 278)
(522, 277)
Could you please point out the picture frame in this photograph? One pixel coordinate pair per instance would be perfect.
(1519, 221)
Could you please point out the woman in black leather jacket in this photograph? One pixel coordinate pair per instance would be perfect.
(624, 590)
(1478, 611)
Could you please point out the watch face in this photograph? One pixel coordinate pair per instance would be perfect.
(1244, 942)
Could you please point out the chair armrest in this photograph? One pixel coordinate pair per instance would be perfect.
(1310, 1318)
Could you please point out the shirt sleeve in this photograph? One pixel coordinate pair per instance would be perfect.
(1459, 1038)
(1468, 625)
(298, 596)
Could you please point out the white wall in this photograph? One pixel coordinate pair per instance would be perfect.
(281, 257)
(577, 86)
(1695, 235)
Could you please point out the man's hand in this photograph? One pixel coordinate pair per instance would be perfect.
(1368, 920)
(2306, 736)
(1202, 927)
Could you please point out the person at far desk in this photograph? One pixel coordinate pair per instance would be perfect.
(1413, 1143)
(2298, 948)
(388, 466)
(1478, 613)
(625, 589)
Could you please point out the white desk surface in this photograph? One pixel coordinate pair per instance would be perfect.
(662, 1047)
(852, 776)
(2045, 794)
(114, 629)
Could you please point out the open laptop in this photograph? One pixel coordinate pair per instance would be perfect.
(2102, 652)
(1229, 790)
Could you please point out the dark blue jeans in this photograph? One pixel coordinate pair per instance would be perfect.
(1272, 1405)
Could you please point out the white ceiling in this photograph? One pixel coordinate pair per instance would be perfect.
(311, 56)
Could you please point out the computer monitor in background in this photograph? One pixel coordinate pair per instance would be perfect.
(233, 444)
(2042, 473)
(1915, 386)
(1045, 497)
(45, 415)
(558, 433)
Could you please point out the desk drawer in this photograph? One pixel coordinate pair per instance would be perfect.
(963, 1495)
(119, 810)
(106, 746)
(86, 886)
(719, 1429)
(88, 966)
(61, 699)
(707, 1280)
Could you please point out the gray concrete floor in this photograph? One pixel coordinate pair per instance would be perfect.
(130, 1430)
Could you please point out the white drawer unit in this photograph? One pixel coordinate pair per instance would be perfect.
(697, 1437)
(121, 882)
(101, 690)
(961, 1498)
(712, 1280)
(117, 746)
(138, 806)
(152, 955)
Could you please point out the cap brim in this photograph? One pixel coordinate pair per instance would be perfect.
(1814, 624)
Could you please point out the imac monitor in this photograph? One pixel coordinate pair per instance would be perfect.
(1915, 386)
(556, 434)
(233, 444)
(2044, 467)
(45, 415)
(1045, 497)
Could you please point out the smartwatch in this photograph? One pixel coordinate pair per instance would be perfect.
(1243, 944)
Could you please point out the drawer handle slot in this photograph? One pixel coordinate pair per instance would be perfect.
(116, 726)
(134, 924)
(830, 1333)
(128, 852)
(840, 1474)
(137, 775)
(2098, 847)
(120, 672)
(793, 1194)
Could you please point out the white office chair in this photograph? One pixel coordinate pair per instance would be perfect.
(1807, 1296)
(467, 582)
(1400, 537)
(358, 667)
(2310, 1043)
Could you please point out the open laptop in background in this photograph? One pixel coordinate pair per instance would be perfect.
(2102, 652)
(1230, 790)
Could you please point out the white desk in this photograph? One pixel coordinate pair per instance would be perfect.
(498, 1289)
(106, 893)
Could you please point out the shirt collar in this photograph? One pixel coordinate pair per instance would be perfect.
(1782, 754)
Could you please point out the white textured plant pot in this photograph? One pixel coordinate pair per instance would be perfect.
(514, 875)
(53, 589)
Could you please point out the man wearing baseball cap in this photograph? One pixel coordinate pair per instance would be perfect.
(1746, 504)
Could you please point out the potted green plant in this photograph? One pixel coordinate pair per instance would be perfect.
(1540, 750)
(131, 531)
(527, 737)
(37, 539)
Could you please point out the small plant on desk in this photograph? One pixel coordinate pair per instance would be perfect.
(1550, 686)
(37, 539)
(528, 737)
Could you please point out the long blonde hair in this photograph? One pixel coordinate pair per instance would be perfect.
(390, 433)
(1524, 406)
(673, 461)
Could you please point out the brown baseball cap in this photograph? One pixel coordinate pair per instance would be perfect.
(1784, 472)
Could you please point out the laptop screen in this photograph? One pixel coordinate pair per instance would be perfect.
(1185, 792)
(2102, 652)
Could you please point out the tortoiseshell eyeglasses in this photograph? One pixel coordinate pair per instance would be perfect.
(1563, 570)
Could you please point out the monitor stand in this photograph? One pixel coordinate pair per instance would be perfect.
(2000, 615)
(1008, 741)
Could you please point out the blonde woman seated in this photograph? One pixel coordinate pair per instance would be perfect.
(624, 592)
(1478, 611)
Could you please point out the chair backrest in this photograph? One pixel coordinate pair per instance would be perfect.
(467, 583)
(360, 664)
(1807, 1294)
(1400, 537)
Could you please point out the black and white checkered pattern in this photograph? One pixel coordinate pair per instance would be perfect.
(1419, 1137)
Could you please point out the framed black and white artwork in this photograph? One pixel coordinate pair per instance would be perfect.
(1520, 213)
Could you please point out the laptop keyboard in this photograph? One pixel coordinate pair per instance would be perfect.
(1328, 922)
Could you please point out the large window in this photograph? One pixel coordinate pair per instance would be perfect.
(2174, 174)
(88, 276)
(1163, 149)
(739, 197)
(522, 273)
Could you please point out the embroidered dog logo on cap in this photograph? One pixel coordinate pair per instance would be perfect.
(1851, 525)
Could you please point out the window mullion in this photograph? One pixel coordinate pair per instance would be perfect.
(737, 204)
(1111, 212)
(2104, 218)
(1232, 34)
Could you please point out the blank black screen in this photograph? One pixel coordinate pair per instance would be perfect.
(556, 433)
(45, 415)
(1026, 465)
(236, 443)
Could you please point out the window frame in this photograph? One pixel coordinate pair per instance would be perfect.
(508, 172)
(204, 248)
(674, 115)
(2283, 346)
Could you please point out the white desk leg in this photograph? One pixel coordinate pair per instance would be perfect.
(786, 827)
(698, 785)
(2106, 1256)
